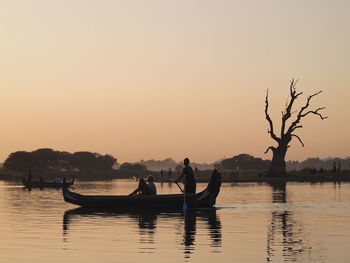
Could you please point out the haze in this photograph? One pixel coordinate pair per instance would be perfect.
(158, 79)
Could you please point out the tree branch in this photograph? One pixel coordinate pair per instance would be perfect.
(294, 135)
(316, 112)
(270, 148)
(287, 113)
(273, 135)
(297, 127)
(301, 113)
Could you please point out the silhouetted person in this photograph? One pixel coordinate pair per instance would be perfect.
(142, 188)
(57, 180)
(170, 172)
(151, 186)
(190, 181)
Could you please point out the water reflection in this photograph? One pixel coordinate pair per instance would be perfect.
(285, 235)
(147, 221)
(213, 224)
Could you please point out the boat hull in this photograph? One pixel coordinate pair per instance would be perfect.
(38, 184)
(138, 202)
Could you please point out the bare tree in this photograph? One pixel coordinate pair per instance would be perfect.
(278, 164)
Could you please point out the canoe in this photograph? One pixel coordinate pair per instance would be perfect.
(38, 184)
(203, 199)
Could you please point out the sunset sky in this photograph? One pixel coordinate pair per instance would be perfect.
(158, 79)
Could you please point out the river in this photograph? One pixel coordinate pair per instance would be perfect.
(293, 222)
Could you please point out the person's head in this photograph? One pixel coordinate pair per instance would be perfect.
(150, 179)
(142, 182)
(186, 161)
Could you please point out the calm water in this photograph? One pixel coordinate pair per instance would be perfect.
(298, 222)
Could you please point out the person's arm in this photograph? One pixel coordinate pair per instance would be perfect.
(182, 175)
(135, 191)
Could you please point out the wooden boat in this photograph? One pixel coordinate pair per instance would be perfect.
(42, 184)
(203, 199)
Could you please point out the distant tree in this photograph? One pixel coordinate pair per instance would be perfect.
(84, 160)
(93, 161)
(48, 159)
(136, 167)
(278, 164)
(179, 168)
(19, 161)
(106, 162)
(245, 162)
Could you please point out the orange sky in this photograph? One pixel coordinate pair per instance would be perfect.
(158, 79)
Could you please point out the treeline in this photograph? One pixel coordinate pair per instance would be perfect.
(158, 165)
(238, 162)
(88, 165)
(330, 164)
(49, 160)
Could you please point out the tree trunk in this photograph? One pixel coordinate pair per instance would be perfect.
(278, 164)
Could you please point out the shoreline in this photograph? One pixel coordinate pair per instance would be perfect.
(203, 177)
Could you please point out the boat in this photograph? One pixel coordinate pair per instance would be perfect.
(42, 184)
(204, 199)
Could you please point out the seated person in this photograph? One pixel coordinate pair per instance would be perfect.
(57, 180)
(142, 188)
(151, 186)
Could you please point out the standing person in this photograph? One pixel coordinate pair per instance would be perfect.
(151, 186)
(190, 181)
(161, 174)
(170, 172)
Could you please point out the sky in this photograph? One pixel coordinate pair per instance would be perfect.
(156, 79)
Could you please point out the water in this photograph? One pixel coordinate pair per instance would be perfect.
(298, 222)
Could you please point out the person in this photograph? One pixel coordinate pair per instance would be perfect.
(142, 188)
(189, 180)
(170, 172)
(151, 186)
(57, 180)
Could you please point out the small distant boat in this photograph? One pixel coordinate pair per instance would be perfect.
(204, 199)
(42, 184)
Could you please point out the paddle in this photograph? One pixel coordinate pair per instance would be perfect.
(184, 207)
(179, 187)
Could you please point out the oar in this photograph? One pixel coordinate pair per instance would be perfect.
(179, 187)
(184, 207)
